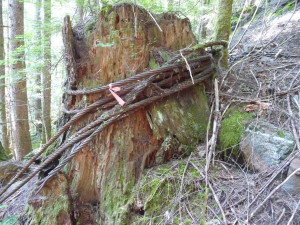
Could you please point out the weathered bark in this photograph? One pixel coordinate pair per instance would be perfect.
(5, 139)
(46, 76)
(123, 42)
(223, 25)
(37, 78)
(19, 103)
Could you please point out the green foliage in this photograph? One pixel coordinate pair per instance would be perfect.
(12, 220)
(281, 133)
(3, 206)
(104, 45)
(288, 7)
(233, 129)
(89, 27)
(234, 19)
(153, 64)
(50, 210)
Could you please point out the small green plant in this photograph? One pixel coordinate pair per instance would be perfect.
(3, 206)
(288, 7)
(104, 45)
(280, 133)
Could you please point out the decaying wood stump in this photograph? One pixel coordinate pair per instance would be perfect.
(122, 42)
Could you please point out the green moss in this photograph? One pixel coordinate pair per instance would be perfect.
(281, 133)
(3, 155)
(185, 118)
(48, 213)
(153, 64)
(233, 128)
(118, 193)
(160, 193)
(161, 187)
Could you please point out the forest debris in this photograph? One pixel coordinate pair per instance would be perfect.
(187, 66)
(272, 192)
(278, 53)
(259, 106)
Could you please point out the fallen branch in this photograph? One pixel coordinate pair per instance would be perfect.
(272, 192)
(218, 203)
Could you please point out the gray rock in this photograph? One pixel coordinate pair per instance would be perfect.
(265, 145)
(292, 185)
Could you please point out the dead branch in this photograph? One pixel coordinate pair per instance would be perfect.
(272, 192)
(218, 202)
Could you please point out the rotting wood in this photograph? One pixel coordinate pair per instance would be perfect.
(88, 130)
(114, 160)
(96, 105)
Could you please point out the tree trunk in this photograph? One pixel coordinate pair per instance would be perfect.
(18, 80)
(46, 76)
(5, 139)
(100, 179)
(37, 79)
(223, 25)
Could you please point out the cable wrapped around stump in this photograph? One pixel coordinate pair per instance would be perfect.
(138, 91)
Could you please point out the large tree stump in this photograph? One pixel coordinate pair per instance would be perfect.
(122, 42)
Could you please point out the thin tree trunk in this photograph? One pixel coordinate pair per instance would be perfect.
(5, 139)
(38, 100)
(222, 30)
(18, 80)
(79, 11)
(46, 78)
(202, 28)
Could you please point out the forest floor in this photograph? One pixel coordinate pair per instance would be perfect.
(264, 70)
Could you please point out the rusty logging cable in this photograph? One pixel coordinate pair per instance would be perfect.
(135, 78)
(116, 112)
(53, 139)
(81, 133)
(92, 107)
(135, 107)
(160, 82)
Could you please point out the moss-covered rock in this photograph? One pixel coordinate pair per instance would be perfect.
(232, 129)
(166, 189)
(265, 145)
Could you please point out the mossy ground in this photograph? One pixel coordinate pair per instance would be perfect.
(171, 193)
(47, 215)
